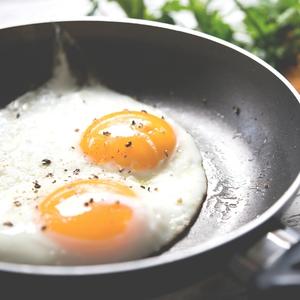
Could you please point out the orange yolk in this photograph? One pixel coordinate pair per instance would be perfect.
(98, 221)
(130, 139)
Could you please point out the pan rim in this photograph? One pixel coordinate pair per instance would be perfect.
(168, 258)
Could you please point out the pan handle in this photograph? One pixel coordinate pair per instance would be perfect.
(280, 280)
(272, 266)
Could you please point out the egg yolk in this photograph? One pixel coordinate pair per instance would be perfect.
(131, 139)
(91, 220)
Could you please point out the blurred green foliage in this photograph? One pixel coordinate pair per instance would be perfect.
(272, 25)
(274, 28)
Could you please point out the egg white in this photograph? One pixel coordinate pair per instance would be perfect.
(48, 124)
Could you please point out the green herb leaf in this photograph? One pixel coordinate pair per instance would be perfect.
(210, 21)
(133, 8)
(274, 29)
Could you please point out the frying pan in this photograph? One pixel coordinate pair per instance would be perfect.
(244, 117)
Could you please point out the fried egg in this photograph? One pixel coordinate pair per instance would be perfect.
(91, 176)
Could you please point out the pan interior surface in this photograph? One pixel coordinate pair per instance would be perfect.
(245, 121)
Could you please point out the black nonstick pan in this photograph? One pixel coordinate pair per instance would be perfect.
(245, 118)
